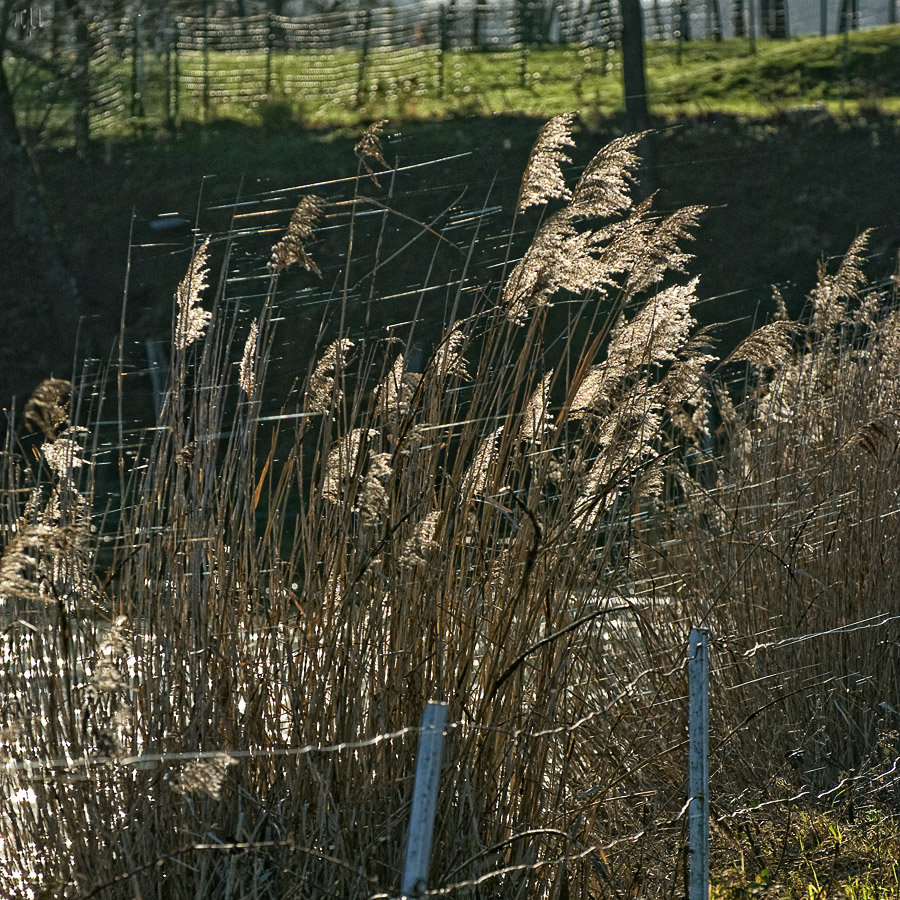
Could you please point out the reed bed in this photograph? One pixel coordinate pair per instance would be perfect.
(215, 659)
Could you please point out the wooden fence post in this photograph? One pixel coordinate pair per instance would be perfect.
(443, 47)
(205, 62)
(171, 44)
(269, 51)
(424, 802)
(138, 75)
(698, 787)
(361, 92)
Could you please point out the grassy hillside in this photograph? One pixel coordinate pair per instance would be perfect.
(337, 88)
(861, 72)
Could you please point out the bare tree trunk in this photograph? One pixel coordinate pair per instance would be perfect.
(479, 8)
(848, 17)
(658, 27)
(24, 222)
(774, 18)
(684, 21)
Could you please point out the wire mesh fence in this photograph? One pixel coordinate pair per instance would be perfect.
(514, 487)
(155, 68)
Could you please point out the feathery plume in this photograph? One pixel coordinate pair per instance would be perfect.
(45, 410)
(39, 550)
(604, 186)
(685, 386)
(877, 437)
(322, 391)
(661, 252)
(247, 376)
(657, 333)
(290, 249)
(396, 391)
(769, 347)
(62, 455)
(558, 257)
(781, 312)
(831, 292)
(650, 481)
(19, 563)
(543, 179)
(479, 474)
(625, 439)
(192, 319)
(566, 256)
(732, 420)
(448, 358)
(590, 393)
(341, 463)
(112, 653)
(373, 500)
(205, 775)
(563, 257)
(388, 391)
(535, 416)
(369, 147)
(421, 543)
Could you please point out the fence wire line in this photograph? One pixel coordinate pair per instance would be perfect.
(9, 764)
(583, 852)
(871, 780)
(871, 622)
(515, 734)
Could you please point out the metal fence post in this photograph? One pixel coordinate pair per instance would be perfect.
(424, 801)
(698, 787)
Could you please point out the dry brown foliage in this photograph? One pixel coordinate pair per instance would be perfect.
(213, 668)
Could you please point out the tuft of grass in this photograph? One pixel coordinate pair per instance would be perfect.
(811, 854)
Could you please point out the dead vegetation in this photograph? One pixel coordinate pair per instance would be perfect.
(212, 677)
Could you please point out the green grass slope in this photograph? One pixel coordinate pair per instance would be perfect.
(338, 88)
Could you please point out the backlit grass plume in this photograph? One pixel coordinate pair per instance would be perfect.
(291, 248)
(46, 409)
(192, 319)
(543, 179)
(369, 149)
(247, 375)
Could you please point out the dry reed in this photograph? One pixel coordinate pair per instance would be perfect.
(225, 705)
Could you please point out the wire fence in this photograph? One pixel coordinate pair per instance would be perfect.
(158, 68)
(809, 779)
